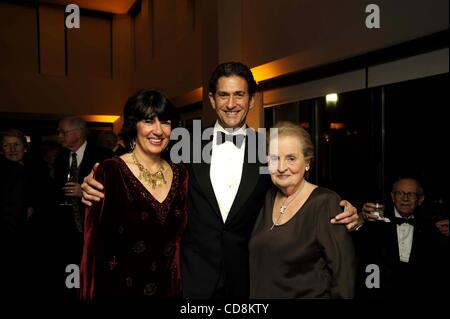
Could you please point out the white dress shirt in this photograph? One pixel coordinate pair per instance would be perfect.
(80, 154)
(226, 169)
(405, 238)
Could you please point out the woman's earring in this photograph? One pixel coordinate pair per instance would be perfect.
(132, 145)
(307, 168)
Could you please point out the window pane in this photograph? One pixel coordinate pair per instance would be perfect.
(417, 131)
(349, 148)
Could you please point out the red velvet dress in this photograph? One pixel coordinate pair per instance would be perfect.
(132, 241)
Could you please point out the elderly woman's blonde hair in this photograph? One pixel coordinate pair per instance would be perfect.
(289, 129)
(14, 133)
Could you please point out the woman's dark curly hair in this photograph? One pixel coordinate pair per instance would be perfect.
(145, 104)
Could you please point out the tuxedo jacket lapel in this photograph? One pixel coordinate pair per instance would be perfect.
(417, 248)
(89, 159)
(249, 179)
(201, 173)
(393, 238)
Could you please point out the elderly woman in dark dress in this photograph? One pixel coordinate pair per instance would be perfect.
(132, 236)
(295, 252)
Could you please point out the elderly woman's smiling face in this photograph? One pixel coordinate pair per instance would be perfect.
(13, 148)
(287, 164)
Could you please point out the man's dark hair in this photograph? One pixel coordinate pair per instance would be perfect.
(145, 104)
(228, 69)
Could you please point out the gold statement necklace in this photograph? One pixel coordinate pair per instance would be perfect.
(285, 205)
(154, 179)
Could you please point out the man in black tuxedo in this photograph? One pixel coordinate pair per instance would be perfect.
(225, 194)
(403, 247)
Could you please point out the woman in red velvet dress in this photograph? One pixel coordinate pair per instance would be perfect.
(132, 236)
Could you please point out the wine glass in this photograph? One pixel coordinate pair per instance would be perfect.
(67, 201)
(379, 210)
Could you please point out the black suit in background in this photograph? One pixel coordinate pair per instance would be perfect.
(119, 150)
(214, 254)
(64, 233)
(66, 223)
(377, 243)
(12, 217)
(12, 198)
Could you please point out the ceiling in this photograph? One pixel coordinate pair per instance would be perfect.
(110, 6)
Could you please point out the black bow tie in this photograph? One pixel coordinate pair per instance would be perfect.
(400, 221)
(237, 139)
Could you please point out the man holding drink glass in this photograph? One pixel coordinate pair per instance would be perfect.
(403, 247)
(71, 167)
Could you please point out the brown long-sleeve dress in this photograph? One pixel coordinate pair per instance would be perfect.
(307, 257)
(132, 241)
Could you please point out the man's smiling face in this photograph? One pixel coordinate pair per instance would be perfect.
(231, 101)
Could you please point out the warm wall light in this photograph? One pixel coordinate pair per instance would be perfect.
(305, 125)
(337, 126)
(265, 72)
(331, 98)
(101, 118)
(111, 6)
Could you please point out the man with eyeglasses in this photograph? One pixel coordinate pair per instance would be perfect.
(403, 246)
(71, 167)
